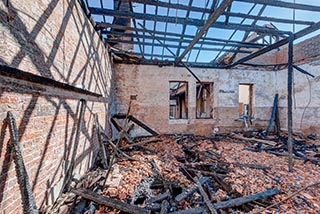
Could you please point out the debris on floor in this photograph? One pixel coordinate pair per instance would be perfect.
(226, 173)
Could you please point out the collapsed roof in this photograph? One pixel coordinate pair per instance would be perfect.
(201, 33)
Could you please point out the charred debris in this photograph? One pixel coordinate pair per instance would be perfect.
(186, 173)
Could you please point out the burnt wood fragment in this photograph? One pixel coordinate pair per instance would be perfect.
(191, 190)
(103, 200)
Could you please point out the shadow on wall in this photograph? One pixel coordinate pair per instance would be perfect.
(60, 114)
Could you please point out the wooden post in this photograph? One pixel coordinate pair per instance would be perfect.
(290, 77)
(28, 201)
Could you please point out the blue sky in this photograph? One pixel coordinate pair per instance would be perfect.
(237, 7)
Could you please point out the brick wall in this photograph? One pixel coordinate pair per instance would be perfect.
(51, 39)
(306, 95)
(151, 85)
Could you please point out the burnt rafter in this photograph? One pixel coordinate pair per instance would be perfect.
(206, 42)
(274, 3)
(283, 4)
(189, 21)
(201, 32)
(186, 36)
(211, 20)
(278, 44)
(226, 14)
(111, 40)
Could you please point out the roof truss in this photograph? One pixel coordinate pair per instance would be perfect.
(200, 34)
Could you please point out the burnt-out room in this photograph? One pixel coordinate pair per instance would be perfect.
(159, 106)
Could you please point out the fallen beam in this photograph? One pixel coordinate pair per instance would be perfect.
(109, 202)
(233, 202)
(243, 200)
(191, 190)
(267, 142)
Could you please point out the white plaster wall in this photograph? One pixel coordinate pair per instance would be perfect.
(306, 98)
(151, 85)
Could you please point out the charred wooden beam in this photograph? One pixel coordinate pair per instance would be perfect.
(278, 44)
(284, 4)
(138, 122)
(26, 76)
(175, 46)
(303, 71)
(92, 196)
(205, 40)
(211, 20)
(246, 199)
(159, 198)
(205, 197)
(290, 86)
(187, 193)
(164, 207)
(270, 19)
(177, 20)
(184, 65)
(28, 201)
(273, 114)
(102, 26)
(234, 202)
(170, 5)
(227, 14)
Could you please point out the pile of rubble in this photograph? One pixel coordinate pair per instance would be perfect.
(230, 173)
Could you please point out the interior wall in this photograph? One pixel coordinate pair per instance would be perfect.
(306, 98)
(150, 84)
(52, 39)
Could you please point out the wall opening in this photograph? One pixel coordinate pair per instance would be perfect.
(204, 100)
(245, 100)
(178, 104)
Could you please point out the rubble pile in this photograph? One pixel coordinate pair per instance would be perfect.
(228, 173)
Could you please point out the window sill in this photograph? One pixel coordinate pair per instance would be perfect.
(178, 121)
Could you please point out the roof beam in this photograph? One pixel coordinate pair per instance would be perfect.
(206, 42)
(283, 4)
(269, 19)
(177, 20)
(174, 46)
(282, 42)
(212, 19)
(170, 5)
(275, 3)
(120, 27)
(168, 63)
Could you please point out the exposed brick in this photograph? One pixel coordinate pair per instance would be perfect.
(50, 45)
